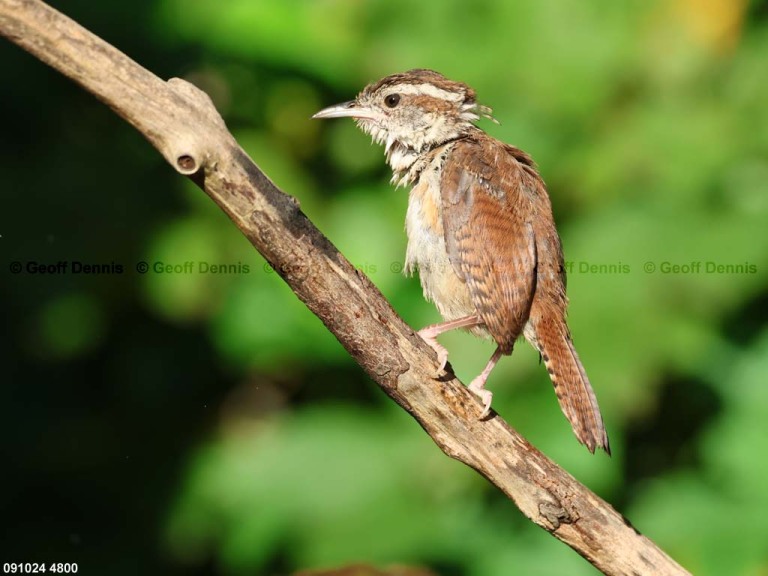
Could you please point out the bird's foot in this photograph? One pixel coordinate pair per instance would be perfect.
(478, 384)
(430, 338)
(478, 387)
(430, 333)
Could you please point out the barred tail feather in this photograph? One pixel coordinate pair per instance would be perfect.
(572, 388)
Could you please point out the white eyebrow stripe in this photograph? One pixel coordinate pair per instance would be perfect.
(429, 90)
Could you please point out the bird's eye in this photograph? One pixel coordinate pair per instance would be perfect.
(392, 100)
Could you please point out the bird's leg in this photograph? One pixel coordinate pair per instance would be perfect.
(478, 384)
(431, 332)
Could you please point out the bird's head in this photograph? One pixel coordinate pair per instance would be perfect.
(415, 110)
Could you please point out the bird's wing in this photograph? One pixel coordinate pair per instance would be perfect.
(487, 220)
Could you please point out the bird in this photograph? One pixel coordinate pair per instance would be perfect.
(481, 232)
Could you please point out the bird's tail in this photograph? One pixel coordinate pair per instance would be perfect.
(572, 387)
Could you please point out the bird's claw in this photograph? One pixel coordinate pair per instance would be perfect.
(478, 387)
(440, 350)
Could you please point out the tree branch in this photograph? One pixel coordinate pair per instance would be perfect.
(182, 123)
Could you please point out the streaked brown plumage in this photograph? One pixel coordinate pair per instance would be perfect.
(480, 231)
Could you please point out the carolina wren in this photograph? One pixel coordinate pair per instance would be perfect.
(480, 231)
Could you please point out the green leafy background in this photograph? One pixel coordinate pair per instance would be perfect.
(192, 423)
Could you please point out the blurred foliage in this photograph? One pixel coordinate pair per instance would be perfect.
(197, 423)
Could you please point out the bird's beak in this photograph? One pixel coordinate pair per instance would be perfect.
(346, 110)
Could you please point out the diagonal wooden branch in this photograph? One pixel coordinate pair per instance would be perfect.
(182, 123)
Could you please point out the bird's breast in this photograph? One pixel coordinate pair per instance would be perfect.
(427, 252)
